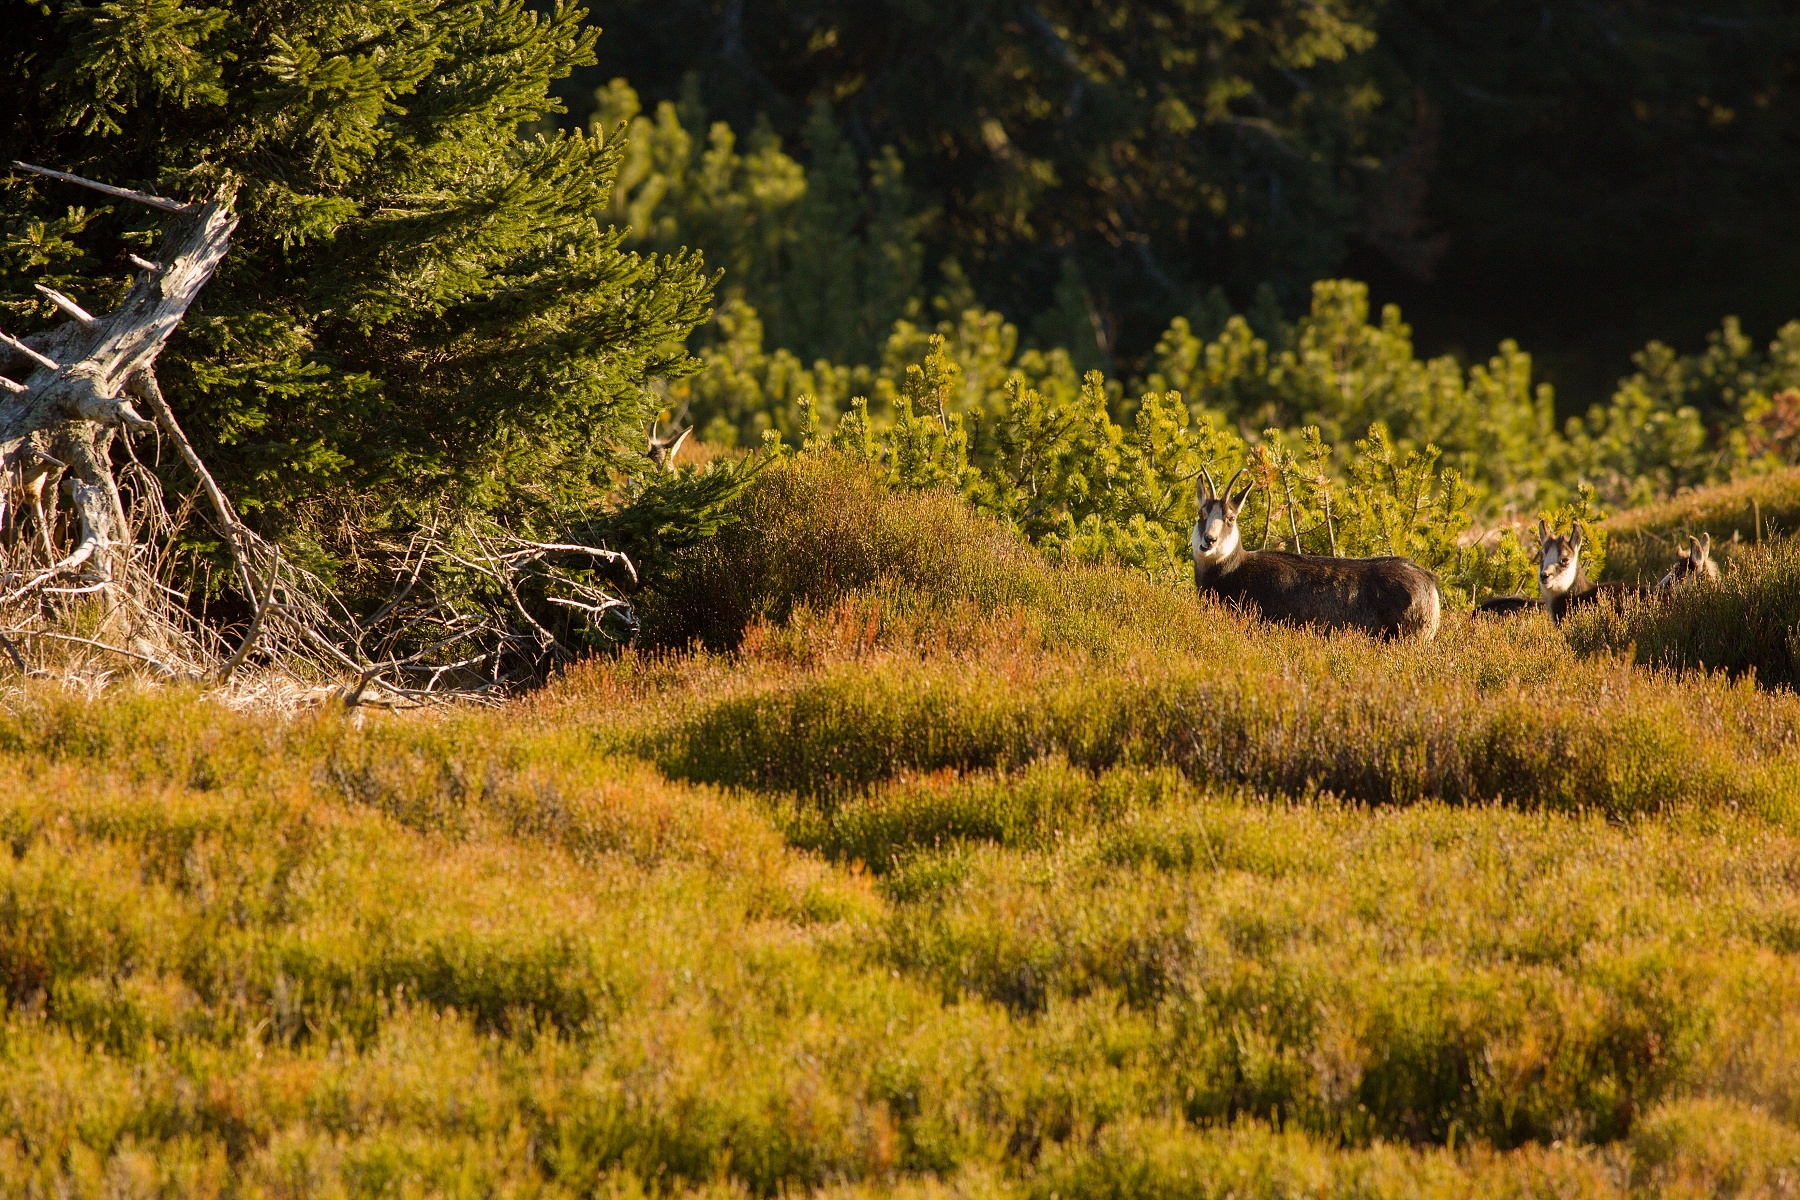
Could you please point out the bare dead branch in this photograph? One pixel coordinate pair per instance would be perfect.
(143, 385)
(146, 264)
(65, 637)
(87, 319)
(107, 189)
(12, 652)
(256, 624)
(130, 339)
(42, 360)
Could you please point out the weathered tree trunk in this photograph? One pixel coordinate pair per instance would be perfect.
(67, 391)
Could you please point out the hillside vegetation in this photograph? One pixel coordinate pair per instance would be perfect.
(945, 871)
(1741, 516)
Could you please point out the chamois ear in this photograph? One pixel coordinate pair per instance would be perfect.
(1543, 530)
(1704, 545)
(1575, 535)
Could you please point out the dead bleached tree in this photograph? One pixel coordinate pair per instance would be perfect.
(69, 396)
(67, 392)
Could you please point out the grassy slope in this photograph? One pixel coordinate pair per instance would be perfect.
(967, 877)
(1641, 542)
(1748, 624)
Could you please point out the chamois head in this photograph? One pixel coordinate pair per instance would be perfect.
(1559, 559)
(1692, 562)
(1215, 535)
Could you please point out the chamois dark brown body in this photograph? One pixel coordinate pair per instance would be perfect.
(1586, 593)
(1388, 596)
(1506, 606)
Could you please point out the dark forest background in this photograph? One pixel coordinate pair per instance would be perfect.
(1580, 176)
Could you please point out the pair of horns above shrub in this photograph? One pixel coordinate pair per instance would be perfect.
(1210, 490)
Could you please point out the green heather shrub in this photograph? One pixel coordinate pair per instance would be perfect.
(912, 635)
(251, 952)
(1714, 1147)
(974, 918)
(1163, 1160)
(1382, 732)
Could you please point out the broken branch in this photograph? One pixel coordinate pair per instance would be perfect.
(143, 385)
(83, 316)
(66, 637)
(42, 360)
(107, 189)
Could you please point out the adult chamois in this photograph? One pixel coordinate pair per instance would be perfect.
(1387, 597)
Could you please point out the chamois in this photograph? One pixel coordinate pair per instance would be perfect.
(1561, 580)
(1387, 597)
(1565, 587)
(1693, 562)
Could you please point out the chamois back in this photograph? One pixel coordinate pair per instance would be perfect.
(1388, 597)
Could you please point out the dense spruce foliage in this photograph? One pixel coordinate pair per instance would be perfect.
(421, 305)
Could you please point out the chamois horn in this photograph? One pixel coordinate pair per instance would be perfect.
(1212, 489)
(1226, 496)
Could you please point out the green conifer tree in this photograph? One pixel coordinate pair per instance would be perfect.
(422, 305)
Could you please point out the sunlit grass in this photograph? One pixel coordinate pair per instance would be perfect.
(1641, 543)
(966, 877)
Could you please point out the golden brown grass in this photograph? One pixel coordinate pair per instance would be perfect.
(1641, 542)
(960, 876)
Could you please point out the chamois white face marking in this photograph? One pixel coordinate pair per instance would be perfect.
(1556, 569)
(1215, 533)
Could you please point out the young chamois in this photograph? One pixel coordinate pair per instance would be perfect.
(1693, 563)
(1564, 587)
(1387, 597)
